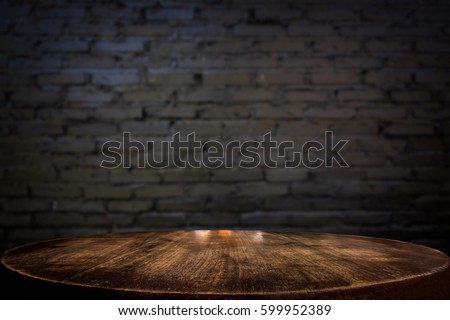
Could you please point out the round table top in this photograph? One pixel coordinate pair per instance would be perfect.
(221, 263)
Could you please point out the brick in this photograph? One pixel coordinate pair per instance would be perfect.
(65, 205)
(226, 78)
(59, 219)
(72, 13)
(170, 14)
(209, 29)
(411, 96)
(281, 203)
(268, 13)
(92, 129)
(336, 45)
(388, 76)
(201, 95)
(382, 113)
(235, 203)
(286, 174)
(106, 30)
(164, 49)
(338, 174)
(135, 176)
(115, 77)
(309, 29)
(388, 46)
(371, 30)
(15, 220)
(13, 190)
(170, 112)
(17, 113)
(211, 189)
(27, 205)
(335, 78)
(61, 79)
(125, 46)
(306, 63)
(147, 30)
(185, 175)
(361, 95)
(431, 174)
(159, 191)
(433, 77)
(201, 128)
(258, 30)
(432, 202)
(106, 192)
(181, 204)
(253, 62)
(63, 114)
(314, 189)
(334, 113)
(146, 127)
(29, 173)
(170, 77)
(129, 206)
(234, 175)
(158, 220)
(111, 13)
(284, 44)
(388, 173)
(200, 63)
(55, 190)
(223, 14)
(259, 188)
(261, 218)
(246, 95)
(141, 96)
(89, 62)
(117, 113)
(355, 129)
(213, 219)
(409, 130)
(111, 220)
(15, 45)
(73, 145)
(335, 204)
(332, 14)
(314, 96)
(38, 128)
(279, 78)
(28, 234)
(88, 95)
(267, 111)
(432, 46)
(359, 62)
(34, 97)
(372, 218)
(65, 46)
(71, 232)
(238, 128)
(223, 112)
(301, 129)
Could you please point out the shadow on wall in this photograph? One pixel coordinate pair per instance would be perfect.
(77, 75)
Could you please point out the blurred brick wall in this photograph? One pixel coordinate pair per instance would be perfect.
(77, 73)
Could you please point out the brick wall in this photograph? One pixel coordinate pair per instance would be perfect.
(77, 73)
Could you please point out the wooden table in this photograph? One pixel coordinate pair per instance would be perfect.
(230, 264)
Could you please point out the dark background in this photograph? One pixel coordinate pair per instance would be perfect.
(77, 73)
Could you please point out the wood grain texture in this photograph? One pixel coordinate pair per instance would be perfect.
(228, 264)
